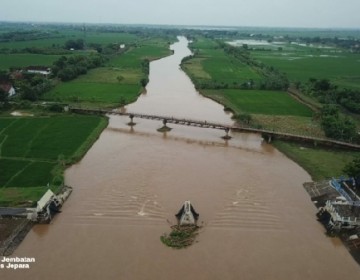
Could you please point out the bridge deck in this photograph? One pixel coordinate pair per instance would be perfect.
(205, 124)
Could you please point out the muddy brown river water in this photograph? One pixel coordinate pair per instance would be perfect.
(257, 221)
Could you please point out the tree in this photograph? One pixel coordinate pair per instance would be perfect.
(336, 126)
(3, 95)
(353, 170)
(75, 44)
(245, 118)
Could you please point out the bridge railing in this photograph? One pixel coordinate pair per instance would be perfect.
(221, 126)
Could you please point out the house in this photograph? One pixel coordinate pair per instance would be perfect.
(8, 88)
(42, 70)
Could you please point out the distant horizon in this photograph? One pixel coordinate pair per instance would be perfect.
(176, 25)
(319, 14)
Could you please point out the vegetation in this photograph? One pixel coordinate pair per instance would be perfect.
(259, 102)
(35, 150)
(336, 126)
(302, 63)
(352, 169)
(108, 66)
(22, 60)
(242, 98)
(327, 93)
(320, 163)
(212, 68)
(67, 69)
(180, 236)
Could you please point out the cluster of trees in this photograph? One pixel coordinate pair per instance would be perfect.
(327, 93)
(32, 86)
(68, 68)
(4, 78)
(29, 87)
(337, 126)
(145, 68)
(353, 170)
(26, 35)
(77, 44)
(349, 43)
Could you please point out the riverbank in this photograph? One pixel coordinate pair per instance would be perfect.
(320, 163)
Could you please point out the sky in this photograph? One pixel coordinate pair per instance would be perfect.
(263, 13)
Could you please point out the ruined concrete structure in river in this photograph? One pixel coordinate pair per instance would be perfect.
(45, 209)
(48, 205)
(339, 209)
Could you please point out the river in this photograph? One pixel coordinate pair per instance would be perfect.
(257, 221)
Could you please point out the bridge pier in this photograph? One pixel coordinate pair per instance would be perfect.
(164, 128)
(267, 137)
(131, 123)
(227, 136)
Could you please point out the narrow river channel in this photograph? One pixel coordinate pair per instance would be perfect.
(258, 222)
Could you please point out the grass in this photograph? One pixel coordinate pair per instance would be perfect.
(22, 196)
(132, 59)
(116, 84)
(228, 70)
(35, 150)
(91, 37)
(340, 67)
(109, 38)
(320, 163)
(212, 64)
(24, 60)
(305, 126)
(260, 102)
(9, 167)
(94, 92)
(196, 69)
(111, 75)
(26, 178)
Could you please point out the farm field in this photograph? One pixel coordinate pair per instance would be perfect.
(272, 110)
(269, 109)
(339, 67)
(34, 151)
(26, 59)
(116, 84)
(212, 65)
(149, 50)
(103, 38)
(94, 93)
(261, 102)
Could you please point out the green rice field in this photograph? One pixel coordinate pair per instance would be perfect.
(112, 85)
(90, 37)
(23, 60)
(33, 150)
(260, 102)
(212, 64)
(147, 50)
(100, 94)
(340, 67)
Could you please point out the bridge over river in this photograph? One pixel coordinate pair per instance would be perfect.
(268, 135)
